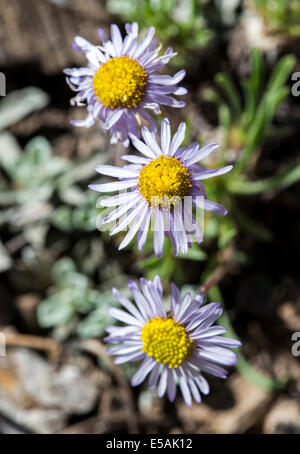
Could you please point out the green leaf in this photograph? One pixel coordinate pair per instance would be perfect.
(149, 262)
(281, 180)
(256, 75)
(10, 152)
(193, 253)
(94, 325)
(211, 95)
(226, 83)
(252, 86)
(62, 218)
(225, 119)
(76, 281)
(281, 73)
(258, 379)
(39, 151)
(227, 232)
(18, 104)
(54, 311)
(63, 267)
(85, 218)
(212, 227)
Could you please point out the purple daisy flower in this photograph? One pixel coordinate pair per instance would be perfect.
(164, 186)
(176, 347)
(120, 81)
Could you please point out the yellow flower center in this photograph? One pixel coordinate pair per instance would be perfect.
(165, 179)
(166, 341)
(120, 82)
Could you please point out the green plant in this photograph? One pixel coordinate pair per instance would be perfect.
(281, 16)
(80, 217)
(181, 24)
(246, 119)
(33, 174)
(71, 298)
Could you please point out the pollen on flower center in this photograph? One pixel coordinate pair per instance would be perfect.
(165, 179)
(166, 341)
(120, 82)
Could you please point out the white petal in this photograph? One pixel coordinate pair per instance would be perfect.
(113, 118)
(129, 357)
(117, 172)
(204, 174)
(147, 40)
(142, 236)
(159, 236)
(115, 186)
(175, 298)
(197, 155)
(171, 386)
(123, 349)
(143, 371)
(127, 304)
(143, 148)
(135, 159)
(134, 228)
(194, 390)
(177, 139)
(118, 199)
(163, 382)
(127, 218)
(167, 80)
(202, 384)
(158, 284)
(118, 212)
(165, 136)
(182, 307)
(154, 376)
(124, 317)
(185, 390)
(116, 39)
(151, 141)
(214, 207)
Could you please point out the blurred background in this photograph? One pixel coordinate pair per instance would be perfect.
(57, 269)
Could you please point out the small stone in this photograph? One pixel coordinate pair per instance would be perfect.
(283, 418)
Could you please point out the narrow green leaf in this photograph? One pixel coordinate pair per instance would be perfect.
(225, 82)
(281, 180)
(194, 253)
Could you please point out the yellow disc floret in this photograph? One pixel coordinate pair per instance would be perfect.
(166, 341)
(120, 82)
(164, 181)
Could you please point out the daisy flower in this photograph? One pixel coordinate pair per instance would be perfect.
(175, 347)
(121, 81)
(164, 184)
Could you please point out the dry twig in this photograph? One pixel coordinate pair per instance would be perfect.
(95, 347)
(38, 343)
(224, 268)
